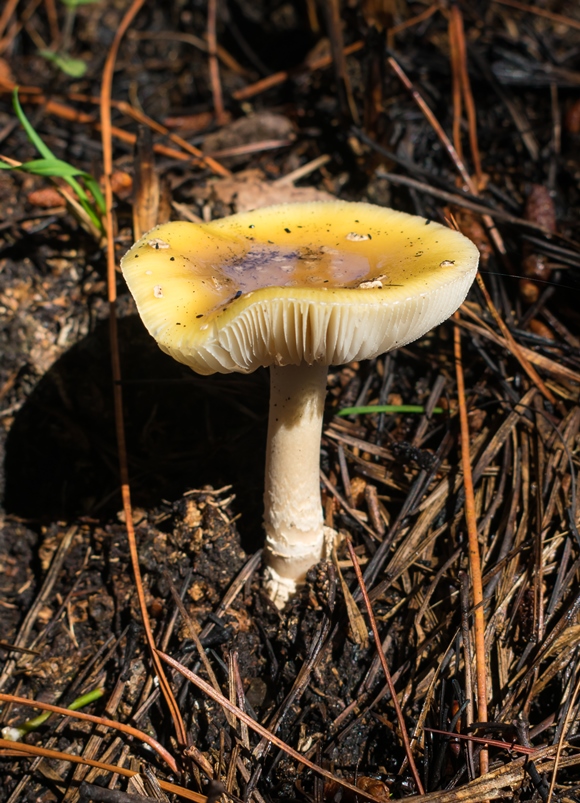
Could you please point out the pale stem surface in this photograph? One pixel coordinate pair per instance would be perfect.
(295, 531)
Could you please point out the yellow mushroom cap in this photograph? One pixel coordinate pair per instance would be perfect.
(322, 282)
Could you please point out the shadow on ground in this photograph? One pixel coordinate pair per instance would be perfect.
(183, 431)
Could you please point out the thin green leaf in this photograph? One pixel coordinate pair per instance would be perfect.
(75, 68)
(86, 699)
(51, 168)
(94, 189)
(43, 149)
(386, 408)
(78, 188)
(14, 734)
(85, 203)
(76, 3)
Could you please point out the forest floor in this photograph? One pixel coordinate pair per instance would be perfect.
(465, 114)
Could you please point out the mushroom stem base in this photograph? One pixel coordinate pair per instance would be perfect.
(295, 531)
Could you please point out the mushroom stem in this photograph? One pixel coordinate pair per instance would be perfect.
(295, 531)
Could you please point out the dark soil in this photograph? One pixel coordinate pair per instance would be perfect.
(71, 622)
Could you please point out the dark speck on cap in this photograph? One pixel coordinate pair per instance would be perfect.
(199, 316)
(287, 231)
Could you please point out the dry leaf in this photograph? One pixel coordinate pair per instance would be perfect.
(249, 190)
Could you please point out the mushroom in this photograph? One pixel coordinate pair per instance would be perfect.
(296, 287)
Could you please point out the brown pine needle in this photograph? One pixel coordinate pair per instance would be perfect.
(260, 729)
(33, 94)
(467, 95)
(448, 145)
(279, 77)
(386, 671)
(473, 547)
(561, 740)
(107, 83)
(512, 747)
(214, 68)
(541, 12)
(455, 82)
(8, 11)
(25, 750)
(402, 26)
(514, 347)
(108, 723)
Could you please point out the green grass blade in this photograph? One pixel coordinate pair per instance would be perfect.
(386, 408)
(14, 734)
(75, 68)
(76, 3)
(95, 190)
(43, 149)
(86, 699)
(85, 202)
(51, 168)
